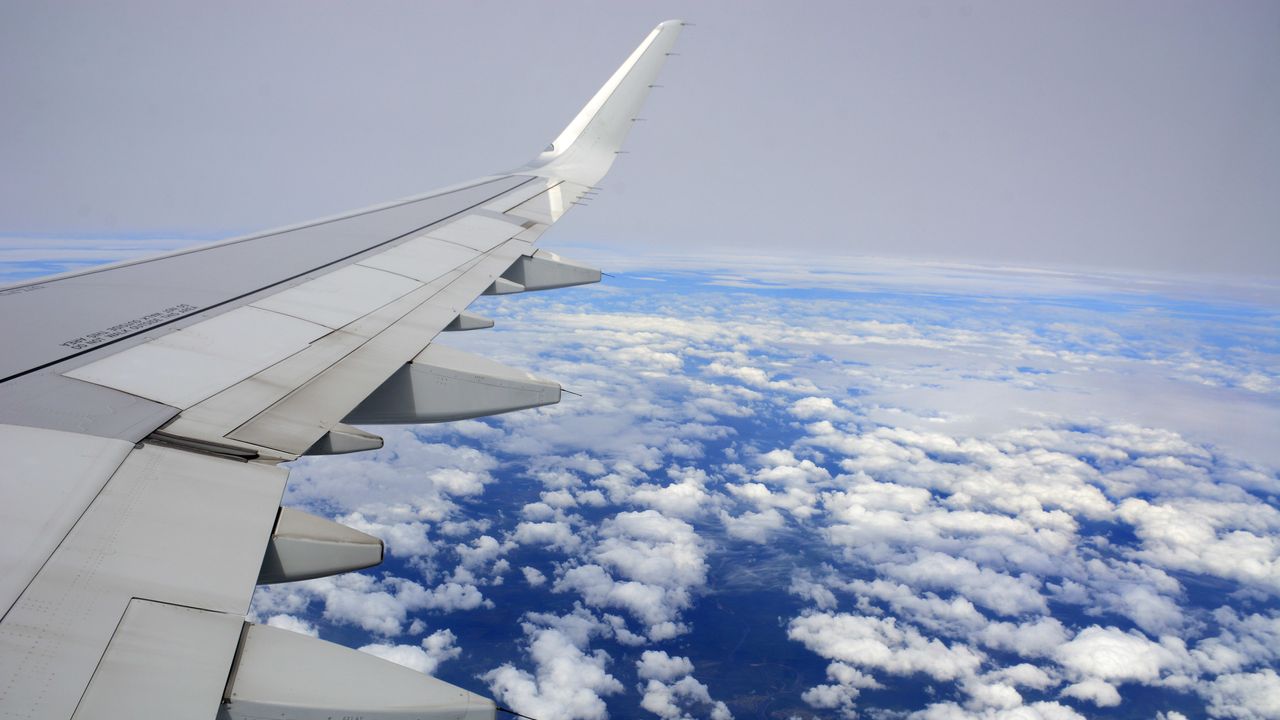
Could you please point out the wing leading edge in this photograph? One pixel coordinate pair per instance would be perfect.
(147, 413)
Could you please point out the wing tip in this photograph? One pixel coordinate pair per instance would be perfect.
(585, 149)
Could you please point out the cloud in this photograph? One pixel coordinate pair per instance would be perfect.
(400, 539)
(800, 502)
(803, 585)
(1037, 638)
(645, 563)
(377, 605)
(648, 603)
(1025, 675)
(756, 527)
(554, 534)
(997, 591)
(847, 683)
(1245, 696)
(533, 576)
(425, 657)
(407, 480)
(672, 693)
(994, 514)
(567, 683)
(1114, 655)
(446, 597)
(1146, 595)
(1238, 541)
(658, 665)
(1001, 474)
(484, 552)
(882, 644)
(685, 497)
(1099, 692)
(1031, 711)
(360, 600)
(989, 692)
(293, 624)
(1243, 641)
(819, 408)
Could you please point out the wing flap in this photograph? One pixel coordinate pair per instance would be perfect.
(169, 526)
(184, 367)
(215, 418)
(301, 418)
(51, 478)
(282, 674)
(164, 661)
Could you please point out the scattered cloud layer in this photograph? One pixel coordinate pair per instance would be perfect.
(1032, 504)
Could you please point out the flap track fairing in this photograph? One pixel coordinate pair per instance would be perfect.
(545, 270)
(467, 321)
(444, 384)
(342, 439)
(304, 546)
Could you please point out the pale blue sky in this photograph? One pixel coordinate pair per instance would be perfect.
(1137, 136)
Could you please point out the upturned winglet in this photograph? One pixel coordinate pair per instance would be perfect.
(585, 149)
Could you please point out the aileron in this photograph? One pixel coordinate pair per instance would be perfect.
(341, 297)
(424, 259)
(478, 232)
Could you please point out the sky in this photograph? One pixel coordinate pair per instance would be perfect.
(1134, 136)
(976, 473)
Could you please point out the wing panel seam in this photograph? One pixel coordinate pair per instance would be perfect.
(241, 296)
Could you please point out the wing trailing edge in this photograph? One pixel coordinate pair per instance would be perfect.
(155, 407)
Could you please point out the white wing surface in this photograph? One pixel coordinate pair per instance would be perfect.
(145, 408)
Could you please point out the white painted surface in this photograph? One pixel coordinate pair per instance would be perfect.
(592, 112)
(550, 206)
(304, 546)
(165, 661)
(586, 148)
(282, 672)
(184, 367)
(48, 479)
(300, 418)
(478, 232)
(443, 384)
(519, 195)
(423, 258)
(170, 526)
(547, 271)
(215, 418)
(503, 286)
(468, 321)
(344, 295)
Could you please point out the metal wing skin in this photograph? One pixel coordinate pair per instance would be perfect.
(145, 408)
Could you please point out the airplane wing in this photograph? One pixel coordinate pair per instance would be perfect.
(145, 408)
